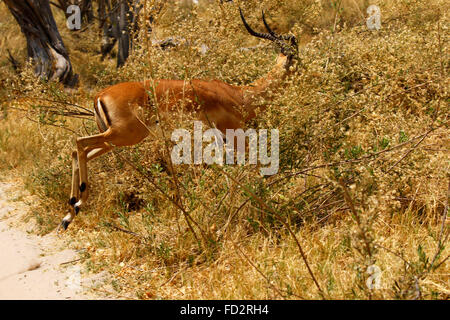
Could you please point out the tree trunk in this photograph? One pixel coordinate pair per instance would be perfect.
(123, 24)
(44, 43)
(87, 11)
(124, 33)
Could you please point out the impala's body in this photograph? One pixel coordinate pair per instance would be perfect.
(125, 113)
(213, 101)
(128, 106)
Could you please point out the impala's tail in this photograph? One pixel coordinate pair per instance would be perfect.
(101, 115)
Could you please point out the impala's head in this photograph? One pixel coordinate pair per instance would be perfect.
(286, 43)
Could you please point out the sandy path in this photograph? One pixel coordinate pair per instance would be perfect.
(34, 267)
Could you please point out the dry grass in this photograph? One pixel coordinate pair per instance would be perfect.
(364, 165)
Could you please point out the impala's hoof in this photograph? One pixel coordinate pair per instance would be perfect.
(64, 224)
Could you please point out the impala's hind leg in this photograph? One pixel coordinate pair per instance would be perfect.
(92, 154)
(84, 146)
(75, 193)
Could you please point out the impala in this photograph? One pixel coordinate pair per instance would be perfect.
(125, 113)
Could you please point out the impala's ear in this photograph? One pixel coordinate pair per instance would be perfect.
(290, 49)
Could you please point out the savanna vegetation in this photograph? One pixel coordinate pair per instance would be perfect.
(358, 208)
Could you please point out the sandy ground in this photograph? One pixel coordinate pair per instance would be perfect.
(34, 267)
